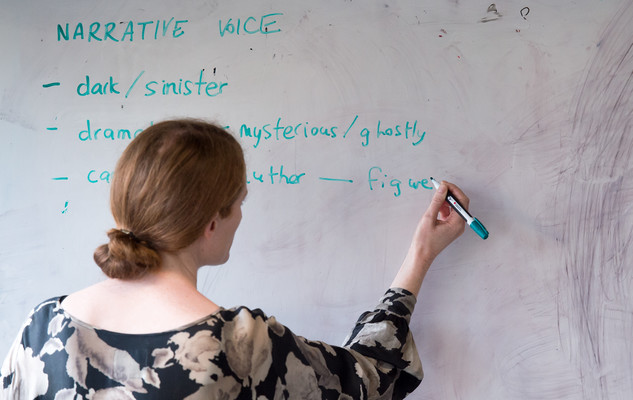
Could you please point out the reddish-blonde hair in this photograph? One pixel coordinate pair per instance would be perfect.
(171, 180)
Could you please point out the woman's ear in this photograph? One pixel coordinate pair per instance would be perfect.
(212, 226)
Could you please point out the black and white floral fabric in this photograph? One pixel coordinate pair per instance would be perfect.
(233, 354)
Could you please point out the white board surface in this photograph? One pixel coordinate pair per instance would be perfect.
(527, 108)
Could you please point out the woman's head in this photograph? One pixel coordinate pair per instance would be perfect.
(171, 180)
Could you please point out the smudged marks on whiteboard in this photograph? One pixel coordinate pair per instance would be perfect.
(595, 191)
(491, 14)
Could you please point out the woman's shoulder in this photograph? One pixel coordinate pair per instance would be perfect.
(242, 319)
(45, 311)
(49, 304)
(42, 321)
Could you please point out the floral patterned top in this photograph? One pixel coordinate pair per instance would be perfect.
(232, 354)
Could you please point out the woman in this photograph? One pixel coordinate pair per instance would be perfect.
(146, 332)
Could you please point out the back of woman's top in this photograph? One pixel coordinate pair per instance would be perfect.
(232, 354)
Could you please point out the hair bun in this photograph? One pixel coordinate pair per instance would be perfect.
(126, 256)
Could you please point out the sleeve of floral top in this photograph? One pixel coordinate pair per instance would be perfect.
(378, 360)
(384, 335)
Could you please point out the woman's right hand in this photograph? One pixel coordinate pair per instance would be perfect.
(439, 226)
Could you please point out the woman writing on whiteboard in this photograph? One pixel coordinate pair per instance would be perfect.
(146, 331)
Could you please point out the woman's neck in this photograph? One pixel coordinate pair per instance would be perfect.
(158, 301)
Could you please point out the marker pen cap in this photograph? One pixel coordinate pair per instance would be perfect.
(479, 228)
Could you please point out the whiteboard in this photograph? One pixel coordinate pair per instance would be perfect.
(343, 109)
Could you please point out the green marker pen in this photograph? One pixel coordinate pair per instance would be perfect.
(474, 223)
